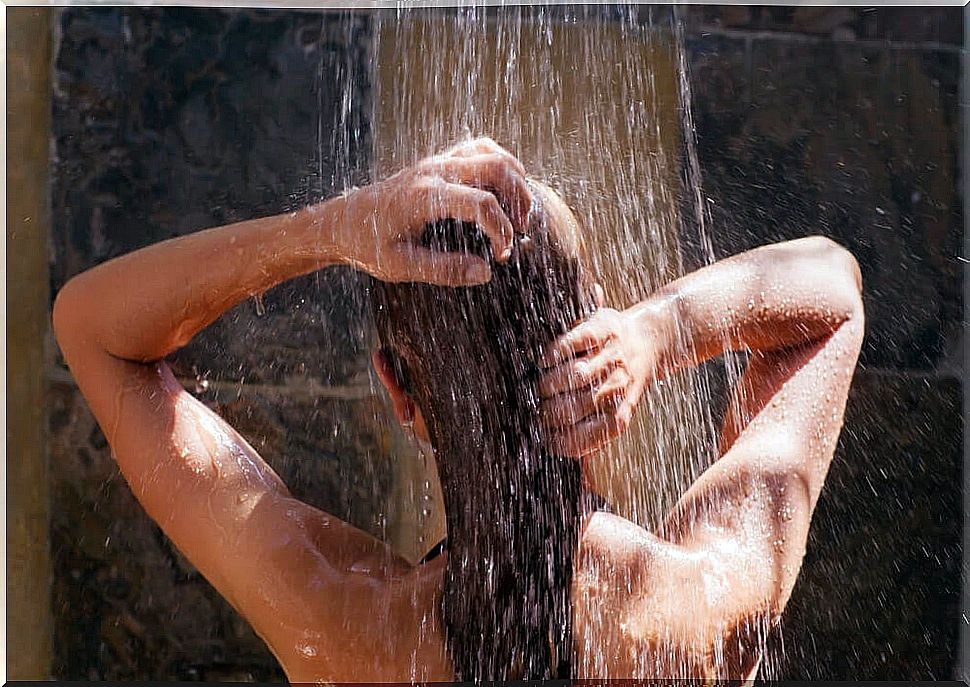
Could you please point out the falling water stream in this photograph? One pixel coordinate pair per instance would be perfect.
(592, 100)
(166, 121)
(595, 101)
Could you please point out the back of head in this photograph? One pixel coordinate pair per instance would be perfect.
(468, 357)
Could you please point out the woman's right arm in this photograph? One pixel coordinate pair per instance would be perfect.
(205, 486)
(144, 305)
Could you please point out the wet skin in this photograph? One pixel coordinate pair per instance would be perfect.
(332, 602)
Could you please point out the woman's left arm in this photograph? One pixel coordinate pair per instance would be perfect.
(700, 594)
(769, 298)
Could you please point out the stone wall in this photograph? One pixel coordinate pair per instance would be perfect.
(167, 121)
(809, 120)
(845, 122)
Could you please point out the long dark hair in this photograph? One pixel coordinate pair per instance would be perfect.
(468, 358)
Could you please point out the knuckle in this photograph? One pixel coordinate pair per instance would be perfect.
(616, 359)
(547, 387)
(583, 371)
(612, 314)
(493, 204)
(620, 366)
(427, 183)
(603, 333)
(622, 418)
(555, 410)
(559, 382)
(497, 161)
(487, 202)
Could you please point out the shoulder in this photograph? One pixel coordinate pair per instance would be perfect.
(365, 616)
(647, 608)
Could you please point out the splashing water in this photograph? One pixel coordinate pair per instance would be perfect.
(588, 99)
(595, 101)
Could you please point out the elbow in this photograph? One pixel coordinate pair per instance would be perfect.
(849, 267)
(67, 315)
(61, 313)
(852, 283)
(842, 265)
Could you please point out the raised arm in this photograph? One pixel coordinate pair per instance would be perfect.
(205, 486)
(706, 587)
(797, 307)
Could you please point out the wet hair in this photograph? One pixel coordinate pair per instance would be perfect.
(468, 357)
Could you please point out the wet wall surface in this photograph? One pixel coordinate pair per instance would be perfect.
(167, 121)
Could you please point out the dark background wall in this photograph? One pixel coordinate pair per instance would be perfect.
(810, 120)
(167, 121)
(845, 122)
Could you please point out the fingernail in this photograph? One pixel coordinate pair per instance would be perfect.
(478, 273)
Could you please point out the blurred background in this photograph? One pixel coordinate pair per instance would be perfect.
(683, 134)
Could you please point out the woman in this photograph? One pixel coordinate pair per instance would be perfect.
(693, 599)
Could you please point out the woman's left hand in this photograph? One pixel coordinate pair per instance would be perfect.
(593, 379)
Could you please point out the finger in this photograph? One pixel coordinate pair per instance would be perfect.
(618, 383)
(492, 172)
(443, 269)
(567, 409)
(575, 374)
(631, 399)
(590, 335)
(585, 437)
(478, 207)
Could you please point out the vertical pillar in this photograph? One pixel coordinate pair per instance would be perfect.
(963, 662)
(27, 309)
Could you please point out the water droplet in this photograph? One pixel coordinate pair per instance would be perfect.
(307, 650)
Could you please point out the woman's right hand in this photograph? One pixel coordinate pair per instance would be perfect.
(471, 182)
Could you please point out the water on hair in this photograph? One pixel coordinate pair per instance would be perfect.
(595, 101)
